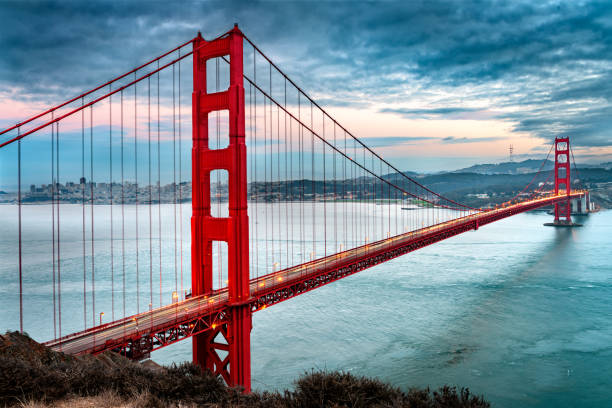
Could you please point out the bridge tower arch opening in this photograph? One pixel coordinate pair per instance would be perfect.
(224, 350)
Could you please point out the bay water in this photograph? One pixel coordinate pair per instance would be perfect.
(516, 311)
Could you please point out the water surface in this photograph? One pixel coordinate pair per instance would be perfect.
(516, 311)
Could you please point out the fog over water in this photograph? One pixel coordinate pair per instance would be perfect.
(516, 311)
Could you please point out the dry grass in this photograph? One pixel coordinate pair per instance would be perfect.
(107, 399)
(32, 376)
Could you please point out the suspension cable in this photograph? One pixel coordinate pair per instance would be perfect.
(535, 175)
(349, 133)
(303, 125)
(76, 98)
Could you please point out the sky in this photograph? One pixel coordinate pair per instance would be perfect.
(430, 85)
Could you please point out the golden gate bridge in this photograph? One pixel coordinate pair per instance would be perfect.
(284, 200)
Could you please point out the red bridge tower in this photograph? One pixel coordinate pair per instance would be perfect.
(562, 178)
(226, 350)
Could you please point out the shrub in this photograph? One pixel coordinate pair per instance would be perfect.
(32, 372)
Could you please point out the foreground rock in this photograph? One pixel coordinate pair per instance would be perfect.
(32, 375)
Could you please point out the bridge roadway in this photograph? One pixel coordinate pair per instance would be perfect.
(138, 335)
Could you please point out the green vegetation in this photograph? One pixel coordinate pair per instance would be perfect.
(32, 375)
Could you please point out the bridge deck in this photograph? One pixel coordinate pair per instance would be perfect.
(137, 335)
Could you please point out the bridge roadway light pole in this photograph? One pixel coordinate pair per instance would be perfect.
(234, 361)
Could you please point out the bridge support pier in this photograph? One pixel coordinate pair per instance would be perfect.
(224, 350)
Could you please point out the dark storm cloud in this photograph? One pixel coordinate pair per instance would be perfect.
(550, 63)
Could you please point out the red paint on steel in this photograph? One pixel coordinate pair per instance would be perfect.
(235, 368)
(562, 163)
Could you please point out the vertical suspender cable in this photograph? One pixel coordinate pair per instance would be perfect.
(314, 219)
(255, 179)
(122, 212)
(53, 223)
(374, 185)
(324, 197)
(136, 194)
(250, 181)
(287, 219)
(19, 233)
(360, 206)
(300, 174)
(364, 199)
(354, 194)
(382, 197)
(277, 197)
(217, 189)
(59, 257)
(159, 193)
(272, 236)
(390, 196)
(344, 200)
(110, 176)
(302, 211)
(278, 190)
(396, 214)
(335, 194)
(91, 185)
(180, 172)
(174, 174)
(266, 184)
(366, 202)
(150, 196)
(83, 186)
(293, 249)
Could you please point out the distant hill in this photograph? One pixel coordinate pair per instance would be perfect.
(522, 167)
(484, 184)
(607, 165)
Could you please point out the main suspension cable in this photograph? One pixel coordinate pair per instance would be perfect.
(349, 133)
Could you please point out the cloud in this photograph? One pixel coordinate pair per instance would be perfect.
(430, 112)
(545, 68)
(453, 139)
(386, 141)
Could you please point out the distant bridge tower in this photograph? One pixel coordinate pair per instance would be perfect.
(226, 349)
(562, 181)
(511, 151)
